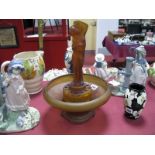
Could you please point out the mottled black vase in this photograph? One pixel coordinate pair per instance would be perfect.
(135, 100)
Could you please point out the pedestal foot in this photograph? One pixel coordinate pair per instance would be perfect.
(78, 117)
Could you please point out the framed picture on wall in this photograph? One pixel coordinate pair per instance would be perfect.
(8, 37)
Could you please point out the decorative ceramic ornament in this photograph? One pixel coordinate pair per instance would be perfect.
(101, 66)
(140, 67)
(151, 74)
(34, 68)
(139, 74)
(134, 72)
(17, 97)
(135, 100)
(15, 113)
(2, 91)
(68, 58)
(123, 79)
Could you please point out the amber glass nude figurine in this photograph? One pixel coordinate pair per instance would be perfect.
(78, 31)
(77, 90)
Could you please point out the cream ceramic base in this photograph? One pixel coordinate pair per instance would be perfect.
(19, 121)
(36, 92)
(118, 93)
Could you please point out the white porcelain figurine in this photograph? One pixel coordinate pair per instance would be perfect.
(140, 67)
(15, 113)
(101, 66)
(68, 57)
(17, 97)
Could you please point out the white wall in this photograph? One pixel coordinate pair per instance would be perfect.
(103, 26)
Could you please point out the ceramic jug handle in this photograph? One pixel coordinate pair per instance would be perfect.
(4, 64)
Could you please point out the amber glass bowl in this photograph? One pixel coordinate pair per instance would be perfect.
(53, 93)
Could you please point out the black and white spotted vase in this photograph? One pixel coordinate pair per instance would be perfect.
(135, 100)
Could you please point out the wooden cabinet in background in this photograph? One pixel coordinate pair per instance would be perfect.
(54, 44)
